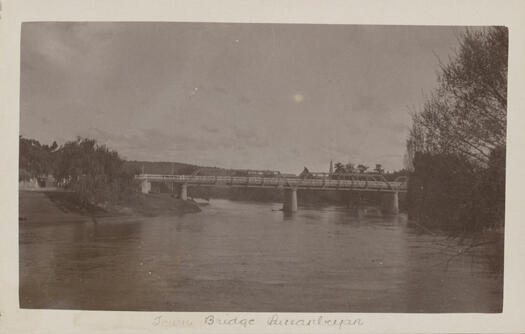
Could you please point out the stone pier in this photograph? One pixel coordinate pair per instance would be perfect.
(290, 200)
(390, 202)
(183, 191)
(145, 186)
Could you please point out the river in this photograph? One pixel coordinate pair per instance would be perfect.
(248, 256)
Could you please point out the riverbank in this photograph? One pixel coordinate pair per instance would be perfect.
(62, 206)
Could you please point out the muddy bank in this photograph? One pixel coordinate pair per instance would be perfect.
(61, 206)
(156, 205)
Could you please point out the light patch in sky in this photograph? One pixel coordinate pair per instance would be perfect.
(298, 97)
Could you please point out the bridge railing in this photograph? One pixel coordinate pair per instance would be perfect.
(257, 181)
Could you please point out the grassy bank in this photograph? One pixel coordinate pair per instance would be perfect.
(61, 206)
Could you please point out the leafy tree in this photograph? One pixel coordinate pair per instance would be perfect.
(362, 168)
(379, 169)
(456, 144)
(35, 159)
(467, 113)
(350, 168)
(339, 168)
(93, 171)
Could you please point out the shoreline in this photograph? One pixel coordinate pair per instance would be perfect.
(66, 207)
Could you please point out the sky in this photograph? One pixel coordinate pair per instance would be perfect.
(250, 96)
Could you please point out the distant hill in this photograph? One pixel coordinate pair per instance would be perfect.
(179, 168)
(159, 167)
(166, 168)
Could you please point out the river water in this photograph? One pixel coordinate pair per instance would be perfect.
(239, 256)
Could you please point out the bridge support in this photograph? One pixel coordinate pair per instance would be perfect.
(290, 200)
(145, 186)
(390, 202)
(183, 191)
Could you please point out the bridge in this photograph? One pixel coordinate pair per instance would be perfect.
(314, 181)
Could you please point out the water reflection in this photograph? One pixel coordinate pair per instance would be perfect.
(236, 256)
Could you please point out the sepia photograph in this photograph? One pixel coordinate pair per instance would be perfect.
(249, 167)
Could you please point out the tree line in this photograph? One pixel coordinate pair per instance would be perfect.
(351, 168)
(341, 168)
(93, 171)
(457, 143)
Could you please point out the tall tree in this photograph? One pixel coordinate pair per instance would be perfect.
(362, 168)
(350, 168)
(339, 168)
(35, 159)
(456, 145)
(467, 113)
(379, 169)
(92, 170)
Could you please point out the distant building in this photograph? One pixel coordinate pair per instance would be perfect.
(47, 181)
(28, 184)
(305, 174)
(41, 182)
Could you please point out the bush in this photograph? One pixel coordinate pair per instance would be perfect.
(451, 192)
(93, 171)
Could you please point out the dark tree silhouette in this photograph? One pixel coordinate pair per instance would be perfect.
(362, 168)
(350, 168)
(93, 171)
(35, 159)
(456, 145)
(96, 173)
(467, 113)
(379, 169)
(339, 168)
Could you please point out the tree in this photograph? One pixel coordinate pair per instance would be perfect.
(35, 159)
(339, 168)
(93, 171)
(456, 146)
(467, 113)
(362, 168)
(350, 168)
(379, 169)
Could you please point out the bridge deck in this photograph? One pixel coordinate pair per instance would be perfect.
(278, 182)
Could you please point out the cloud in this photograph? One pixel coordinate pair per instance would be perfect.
(285, 96)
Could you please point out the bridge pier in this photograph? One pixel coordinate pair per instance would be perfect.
(183, 191)
(290, 200)
(390, 202)
(145, 186)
